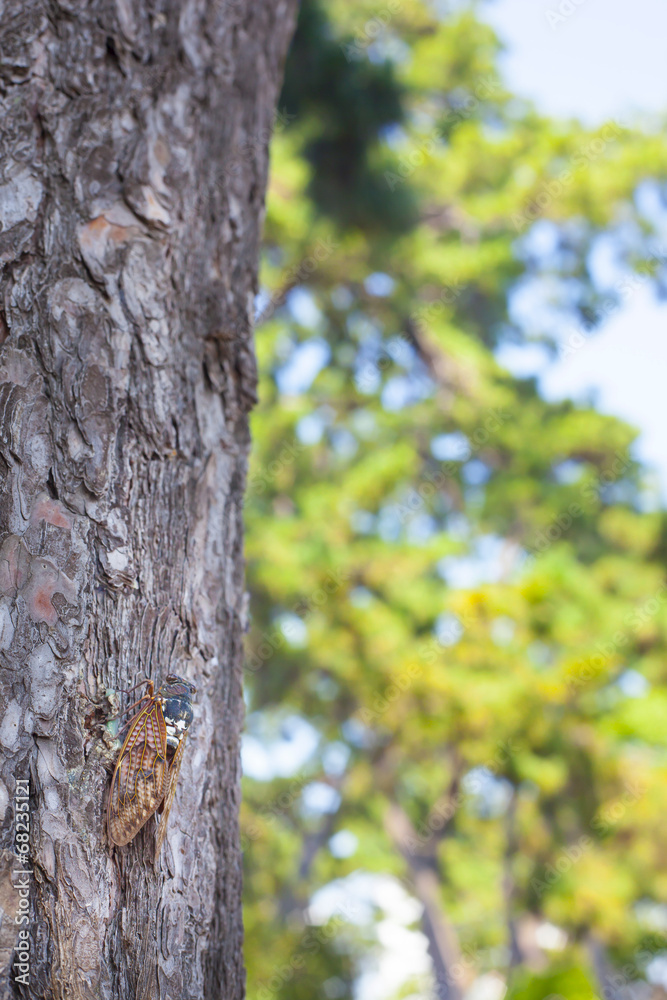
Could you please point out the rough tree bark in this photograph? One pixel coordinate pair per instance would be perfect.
(133, 170)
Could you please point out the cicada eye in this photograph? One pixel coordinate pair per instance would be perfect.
(177, 679)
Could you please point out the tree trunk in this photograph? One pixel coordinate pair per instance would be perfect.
(134, 137)
(450, 973)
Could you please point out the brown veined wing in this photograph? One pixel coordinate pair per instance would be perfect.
(141, 778)
(172, 781)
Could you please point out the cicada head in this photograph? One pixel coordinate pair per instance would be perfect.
(175, 698)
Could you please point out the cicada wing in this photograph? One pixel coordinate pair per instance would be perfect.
(172, 781)
(140, 779)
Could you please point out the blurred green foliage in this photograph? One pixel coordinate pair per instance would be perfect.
(457, 589)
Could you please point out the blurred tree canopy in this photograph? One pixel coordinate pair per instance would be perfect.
(456, 676)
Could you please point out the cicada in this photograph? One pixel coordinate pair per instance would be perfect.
(146, 773)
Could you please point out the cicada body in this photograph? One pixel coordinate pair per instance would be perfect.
(146, 772)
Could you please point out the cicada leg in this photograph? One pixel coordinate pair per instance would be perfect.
(149, 694)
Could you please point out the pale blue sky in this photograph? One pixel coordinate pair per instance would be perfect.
(605, 59)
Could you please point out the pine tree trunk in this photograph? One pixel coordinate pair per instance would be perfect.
(133, 171)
